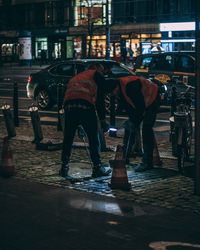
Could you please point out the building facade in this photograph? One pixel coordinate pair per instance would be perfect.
(46, 22)
(61, 29)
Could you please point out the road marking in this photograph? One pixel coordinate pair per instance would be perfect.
(161, 245)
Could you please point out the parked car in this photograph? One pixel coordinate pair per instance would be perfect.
(43, 85)
(169, 68)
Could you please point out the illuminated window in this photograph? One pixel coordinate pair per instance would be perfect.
(93, 11)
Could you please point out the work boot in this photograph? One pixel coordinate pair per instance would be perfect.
(99, 171)
(141, 167)
(64, 170)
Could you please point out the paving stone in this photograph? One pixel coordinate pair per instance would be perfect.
(162, 186)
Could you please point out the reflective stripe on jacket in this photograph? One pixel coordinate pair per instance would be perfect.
(149, 89)
(82, 86)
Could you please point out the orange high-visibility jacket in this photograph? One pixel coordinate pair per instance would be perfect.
(82, 86)
(149, 89)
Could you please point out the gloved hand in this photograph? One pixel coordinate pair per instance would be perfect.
(104, 126)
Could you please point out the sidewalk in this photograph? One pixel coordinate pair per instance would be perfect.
(162, 186)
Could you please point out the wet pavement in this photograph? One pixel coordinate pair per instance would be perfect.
(39, 210)
(162, 186)
(35, 216)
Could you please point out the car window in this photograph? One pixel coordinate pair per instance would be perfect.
(113, 69)
(118, 70)
(146, 62)
(80, 68)
(162, 62)
(184, 63)
(63, 69)
(155, 63)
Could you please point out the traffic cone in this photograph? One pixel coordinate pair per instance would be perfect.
(119, 179)
(7, 168)
(156, 156)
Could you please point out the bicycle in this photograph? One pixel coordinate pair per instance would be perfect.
(181, 129)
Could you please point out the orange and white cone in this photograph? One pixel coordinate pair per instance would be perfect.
(156, 156)
(119, 179)
(7, 167)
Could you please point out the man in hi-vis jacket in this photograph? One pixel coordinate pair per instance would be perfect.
(142, 100)
(83, 101)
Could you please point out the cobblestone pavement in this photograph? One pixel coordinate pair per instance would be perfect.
(162, 186)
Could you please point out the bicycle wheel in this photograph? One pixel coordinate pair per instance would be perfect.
(181, 148)
(188, 141)
(174, 143)
(173, 136)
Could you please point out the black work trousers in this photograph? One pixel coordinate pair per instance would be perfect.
(148, 137)
(87, 118)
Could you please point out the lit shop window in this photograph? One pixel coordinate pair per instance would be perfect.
(7, 49)
(92, 11)
(40, 46)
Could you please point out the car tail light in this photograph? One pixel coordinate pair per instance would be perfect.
(132, 69)
(29, 79)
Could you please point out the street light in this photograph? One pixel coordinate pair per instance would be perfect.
(107, 31)
(197, 102)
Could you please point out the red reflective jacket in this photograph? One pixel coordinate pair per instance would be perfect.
(149, 89)
(82, 86)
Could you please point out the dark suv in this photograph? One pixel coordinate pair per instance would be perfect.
(167, 66)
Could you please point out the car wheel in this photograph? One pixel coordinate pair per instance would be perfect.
(43, 99)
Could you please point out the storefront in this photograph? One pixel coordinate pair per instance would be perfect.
(98, 46)
(178, 36)
(9, 52)
(52, 44)
(41, 47)
(9, 46)
(134, 37)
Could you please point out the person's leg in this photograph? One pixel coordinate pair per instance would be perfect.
(148, 138)
(148, 132)
(69, 132)
(90, 125)
(148, 141)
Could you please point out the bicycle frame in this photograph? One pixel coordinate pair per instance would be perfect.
(182, 130)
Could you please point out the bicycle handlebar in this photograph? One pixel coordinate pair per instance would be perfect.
(188, 92)
(189, 87)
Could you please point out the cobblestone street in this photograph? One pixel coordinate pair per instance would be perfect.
(162, 186)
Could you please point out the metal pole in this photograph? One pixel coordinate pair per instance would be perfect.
(112, 110)
(101, 137)
(197, 102)
(15, 104)
(82, 135)
(173, 100)
(37, 129)
(8, 120)
(107, 31)
(112, 130)
(59, 106)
